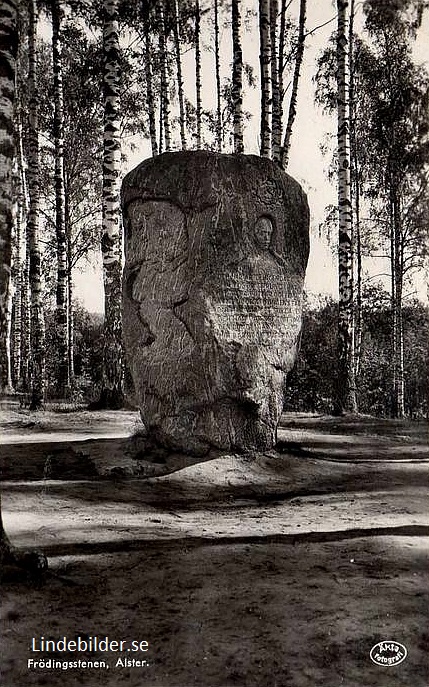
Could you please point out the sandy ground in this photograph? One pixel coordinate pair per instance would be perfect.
(266, 570)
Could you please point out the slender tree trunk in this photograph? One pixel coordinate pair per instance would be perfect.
(345, 389)
(165, 96)
(8, 37)
(280, 69)
(277, 110)
(69, 286)
(16, 337)
(37, 319)
(396, 265)
(61, 291)
(9, 43)
(70, 328)
(26, 363)
(112, 394)
(393, 309)
(265, 63)
(70, 313)
(400, 353)
(237, 78)
(401, 397)
(161, 116)
(7, 354)
(11, 344)
(17, 279)
(355, 193)
(295, 83)
(198, 71)
(398, 277)
(148, 75)
(358, 253)
(176, 32)
(281, 61)
(218, 84)
(22, 267)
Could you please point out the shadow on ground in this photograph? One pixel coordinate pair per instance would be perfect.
(278, 570)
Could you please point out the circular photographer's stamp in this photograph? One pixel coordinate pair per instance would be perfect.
(388, 653)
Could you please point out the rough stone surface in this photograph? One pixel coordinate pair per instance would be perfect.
(216, 248)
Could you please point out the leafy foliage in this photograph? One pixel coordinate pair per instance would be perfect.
(309, 386)
(88, 355)
(310, 383)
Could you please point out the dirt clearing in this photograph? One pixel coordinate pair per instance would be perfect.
(274, 569)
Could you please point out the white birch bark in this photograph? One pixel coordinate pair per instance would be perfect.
(180, 94)
(346, 391)
(165, 91)
(198, 71)
(8, 38)
(265, 64)
(148, 75)
(277, 110)
(111, 225)
(218, 81)
(237, 77)
(295, 82)
(37, 335)
(60, 224)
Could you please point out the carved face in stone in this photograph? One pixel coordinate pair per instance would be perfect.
(263, 232)
(216, 248)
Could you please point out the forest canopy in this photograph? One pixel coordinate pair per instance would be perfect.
(90, 80)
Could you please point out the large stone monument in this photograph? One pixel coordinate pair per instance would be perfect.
(216, 248)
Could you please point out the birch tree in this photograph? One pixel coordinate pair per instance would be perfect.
(346, 388)
(389, 155)
(355, 174)
(180, 94)
(37, 335)
(8, 33)
(398, 128)
(8, 36)
(21, 323)
(19, 226)
(112, 395)
(284, 159)
(237, 78)
(165, 127)
(218, 126)
(25, 372)
(275, 83)
(265, 64)
(147, 56)
(199, 107)
(60, 217)
(19, 216)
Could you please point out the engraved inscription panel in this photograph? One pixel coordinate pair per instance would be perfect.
(258, 303)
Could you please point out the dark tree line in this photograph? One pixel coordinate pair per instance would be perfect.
(311, 384)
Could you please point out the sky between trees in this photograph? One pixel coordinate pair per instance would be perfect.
(307, 164)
